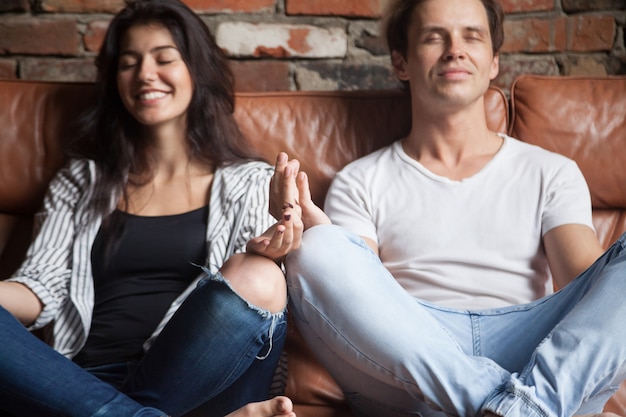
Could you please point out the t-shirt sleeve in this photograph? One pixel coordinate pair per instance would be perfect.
(568, 200)
(348, 203)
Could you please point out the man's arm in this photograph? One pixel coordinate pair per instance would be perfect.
(373, 245)
(571, 249)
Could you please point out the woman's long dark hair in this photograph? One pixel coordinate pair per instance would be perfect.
(109, 135)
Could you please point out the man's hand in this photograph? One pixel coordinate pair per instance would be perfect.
(312, 215)
(290, 187)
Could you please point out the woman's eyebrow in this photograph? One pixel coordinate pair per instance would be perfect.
(155, 49)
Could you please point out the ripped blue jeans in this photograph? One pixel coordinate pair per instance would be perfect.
(216, 354)
(395, 355)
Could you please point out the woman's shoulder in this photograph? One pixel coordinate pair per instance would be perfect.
(79, 172)
(79, 165)
(246, 171)
(242, 180)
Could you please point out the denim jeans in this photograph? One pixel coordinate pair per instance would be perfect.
(394, 355)
(216, 354)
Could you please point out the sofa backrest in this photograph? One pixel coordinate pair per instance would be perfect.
(325, 130)
(583, 118)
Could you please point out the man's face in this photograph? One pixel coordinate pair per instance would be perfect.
(449, 58)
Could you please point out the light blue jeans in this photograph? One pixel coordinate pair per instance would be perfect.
(216, 354)
(394, 355)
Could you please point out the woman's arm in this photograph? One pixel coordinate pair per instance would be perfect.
(20, 301)
(41, 284)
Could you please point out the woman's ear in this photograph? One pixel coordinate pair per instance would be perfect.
(495, 67)
(399, 66)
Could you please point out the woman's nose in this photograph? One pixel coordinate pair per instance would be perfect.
(148, 70)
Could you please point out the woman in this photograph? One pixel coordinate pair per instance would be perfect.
(123, 271)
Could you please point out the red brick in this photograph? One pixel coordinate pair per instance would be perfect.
(39, 37)
(586, 5)
(590, 33)
(350, 8)
(560, 35)
(8, 69)
(242, 6)
(275, 75)
(82, 6)
(516, 6)
(94, 35)
(582, 33)
(530, 35)
(297, 40)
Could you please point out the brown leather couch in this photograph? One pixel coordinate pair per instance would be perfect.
(583, 118)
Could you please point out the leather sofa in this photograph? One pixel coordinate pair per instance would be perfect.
(581, 117)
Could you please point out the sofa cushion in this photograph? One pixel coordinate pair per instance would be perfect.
(583, 118)
(35, 123)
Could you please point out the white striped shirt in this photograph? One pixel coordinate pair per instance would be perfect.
(57, 267)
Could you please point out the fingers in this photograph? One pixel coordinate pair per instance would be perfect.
(282, 186)
(288, 233)
(282, 237)
(290, 190)
(281, 406)
(276, 185)
(304, 189)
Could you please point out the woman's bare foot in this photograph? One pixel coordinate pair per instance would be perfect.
(276, 407)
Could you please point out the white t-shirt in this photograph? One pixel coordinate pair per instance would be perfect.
(469, 244)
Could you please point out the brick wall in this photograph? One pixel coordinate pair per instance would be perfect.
(313, 44)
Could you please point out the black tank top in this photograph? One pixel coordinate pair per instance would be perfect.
(152, 262)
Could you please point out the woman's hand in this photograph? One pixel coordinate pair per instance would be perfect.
(282, 237)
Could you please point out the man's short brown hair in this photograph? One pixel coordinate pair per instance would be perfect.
(398, 18)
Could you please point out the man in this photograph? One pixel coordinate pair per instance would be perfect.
(437, 298)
